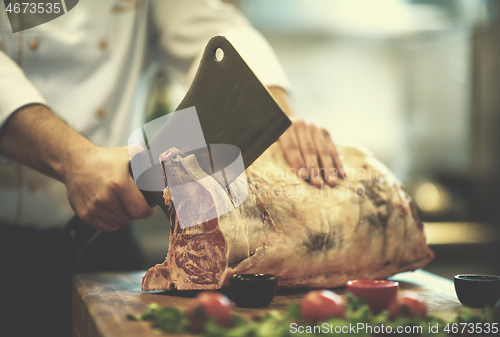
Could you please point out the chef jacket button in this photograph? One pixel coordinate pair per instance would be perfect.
(101, 113)
(33, 44)
(33, 186)
(102, 44)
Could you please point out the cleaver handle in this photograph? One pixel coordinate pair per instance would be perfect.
(76, 235)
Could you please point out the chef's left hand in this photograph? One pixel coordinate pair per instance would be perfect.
(309, 150)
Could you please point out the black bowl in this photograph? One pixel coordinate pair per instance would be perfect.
(476, 290)
(253, 290)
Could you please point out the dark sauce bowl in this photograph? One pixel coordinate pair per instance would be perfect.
(477, 290)
(253, 290)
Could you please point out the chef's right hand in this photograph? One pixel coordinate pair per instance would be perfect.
(101, 190)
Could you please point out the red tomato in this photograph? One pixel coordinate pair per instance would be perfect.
(209, 304)
(319, 305)
(407, 304)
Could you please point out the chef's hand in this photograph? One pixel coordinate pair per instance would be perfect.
(312, 153)
(309, 149)
(99, 186)
(101, 190)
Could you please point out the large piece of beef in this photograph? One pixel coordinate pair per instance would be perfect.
(366, 228)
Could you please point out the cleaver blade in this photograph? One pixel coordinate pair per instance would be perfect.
(233, 108)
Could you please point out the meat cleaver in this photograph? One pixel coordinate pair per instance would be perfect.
(233, 107)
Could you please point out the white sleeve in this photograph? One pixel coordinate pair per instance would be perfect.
(16, 90)
(185, 26)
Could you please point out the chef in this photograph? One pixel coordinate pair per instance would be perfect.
(68, 103)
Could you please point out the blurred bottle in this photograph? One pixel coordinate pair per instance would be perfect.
(159, 100)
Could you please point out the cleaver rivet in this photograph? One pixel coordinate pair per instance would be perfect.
(219, 54)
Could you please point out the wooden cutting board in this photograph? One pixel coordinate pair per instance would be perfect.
(101, 301)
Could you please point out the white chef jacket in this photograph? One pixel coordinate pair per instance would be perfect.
(86, 66)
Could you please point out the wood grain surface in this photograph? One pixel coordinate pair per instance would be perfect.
(101, 301)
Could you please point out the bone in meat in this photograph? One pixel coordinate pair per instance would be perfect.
(366, 228)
